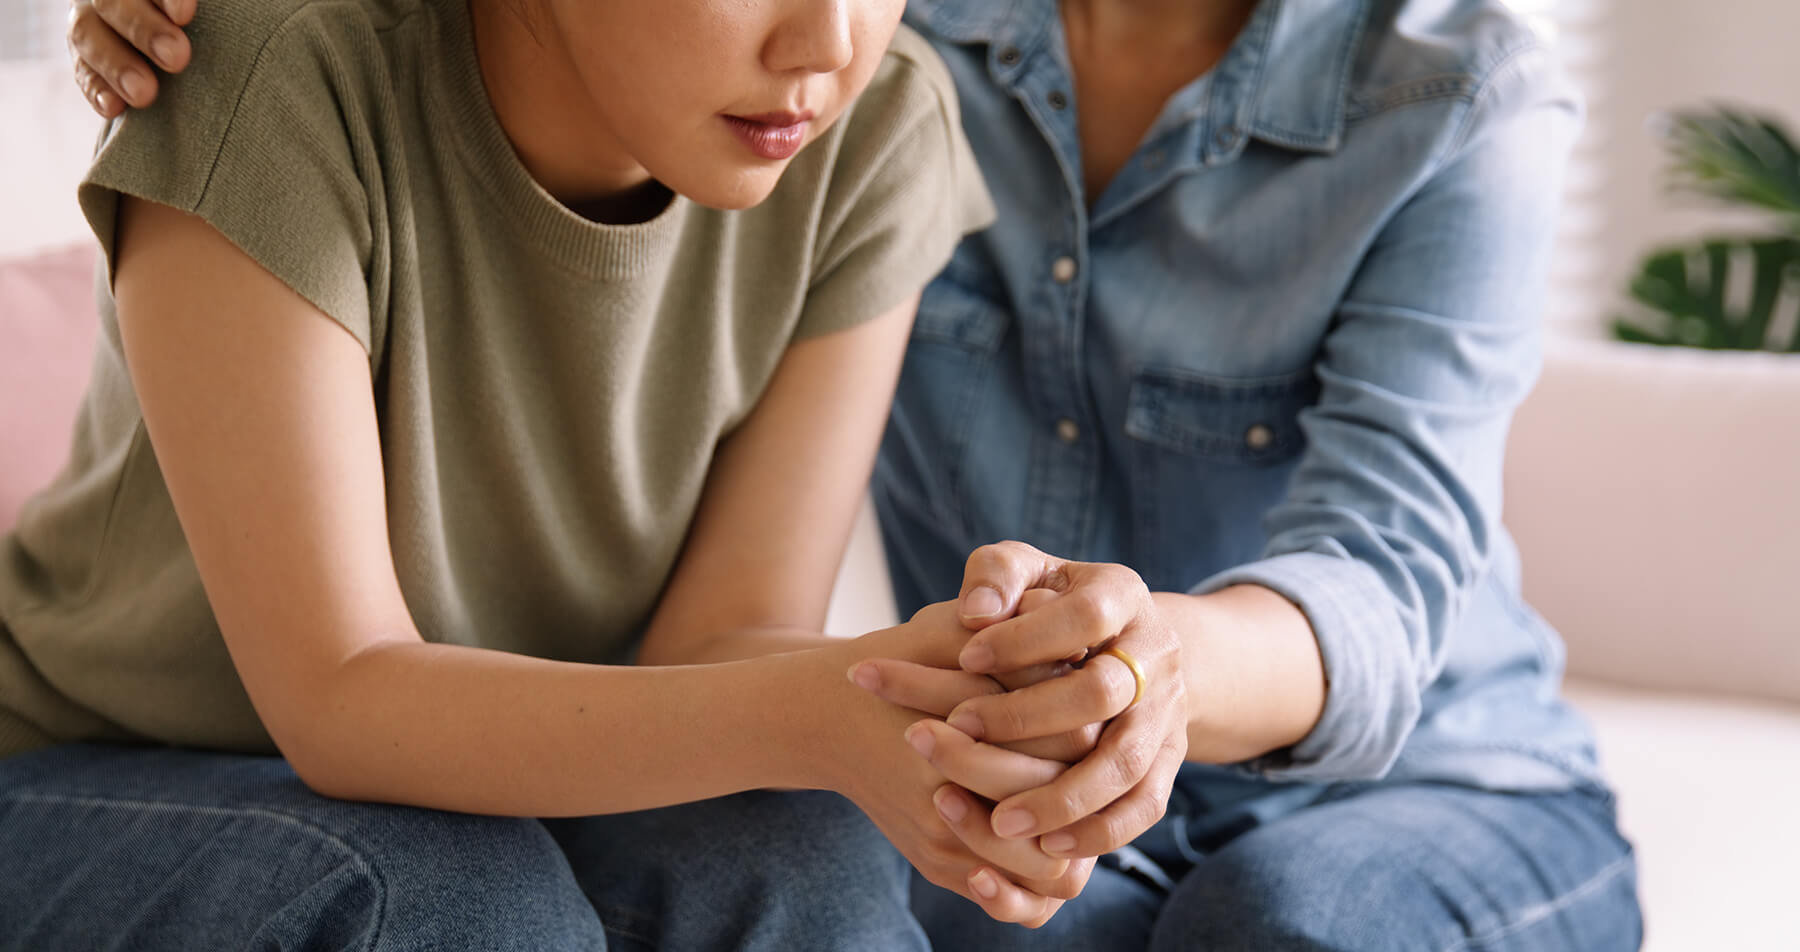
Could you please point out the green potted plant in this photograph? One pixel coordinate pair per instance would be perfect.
(1739, 292)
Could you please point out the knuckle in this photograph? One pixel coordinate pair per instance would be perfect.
(1003, 720)
(1090, 608)
(1118, 829)
(980, 560)
(81, 26)
(1156, 808)
(1174, 747)
(1013, 548)
(1131, 761)
(1097, 690)
(995, 557)
(1064, 806)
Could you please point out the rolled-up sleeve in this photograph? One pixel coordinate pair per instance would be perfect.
(1389, 521)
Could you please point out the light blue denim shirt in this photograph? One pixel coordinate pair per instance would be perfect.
(1282, 348)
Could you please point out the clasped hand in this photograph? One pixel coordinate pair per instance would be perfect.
(1046, 762)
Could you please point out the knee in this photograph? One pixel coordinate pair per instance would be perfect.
(806, 845)
(1248, 903)
(401, 877)
(766, 869)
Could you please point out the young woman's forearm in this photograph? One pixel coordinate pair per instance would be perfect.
(1255, 681)
(479, 731)
(736, 645)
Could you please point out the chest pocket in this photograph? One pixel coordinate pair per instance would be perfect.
(952, 311)
(1252, 421)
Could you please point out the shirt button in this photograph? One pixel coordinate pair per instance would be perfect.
(1258, 437)
(1058, 101)
(1009, 56)
(1067, 431)
(1062, 270)
(1154, 160)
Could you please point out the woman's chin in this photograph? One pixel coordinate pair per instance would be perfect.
(736, 190)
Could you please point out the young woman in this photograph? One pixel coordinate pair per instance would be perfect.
(455, 355)
(1241, 352)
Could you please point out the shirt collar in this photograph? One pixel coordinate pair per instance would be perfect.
(1299, 107)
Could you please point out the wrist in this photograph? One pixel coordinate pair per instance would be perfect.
(814, 711)
(1255, 679)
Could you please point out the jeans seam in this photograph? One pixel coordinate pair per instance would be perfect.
(611, 916)
(362, 863)
(1543, 911)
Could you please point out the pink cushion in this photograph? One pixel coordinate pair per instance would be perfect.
(47, 328)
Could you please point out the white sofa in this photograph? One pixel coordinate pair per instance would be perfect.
(1655, 495)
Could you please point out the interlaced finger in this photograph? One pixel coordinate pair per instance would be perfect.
(1123, 820)
(934, 691)
(992, 772)
(1120, 762)
(1085, 617)
(1098, 691)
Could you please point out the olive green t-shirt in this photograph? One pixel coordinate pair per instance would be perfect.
(550, 391)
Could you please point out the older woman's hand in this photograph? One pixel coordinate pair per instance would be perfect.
(114, 43)
(1121, 788)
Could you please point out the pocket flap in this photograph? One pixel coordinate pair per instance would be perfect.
(1252, 419)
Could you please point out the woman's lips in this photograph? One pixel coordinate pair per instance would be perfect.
(774, 135)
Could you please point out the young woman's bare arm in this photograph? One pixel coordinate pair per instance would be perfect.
(261, 414)
(779, 502)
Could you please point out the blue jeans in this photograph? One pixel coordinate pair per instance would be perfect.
(1367, 867)
(112, 848)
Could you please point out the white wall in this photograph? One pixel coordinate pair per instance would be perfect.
(1638, 58)
(46, 130)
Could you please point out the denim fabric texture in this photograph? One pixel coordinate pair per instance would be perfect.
(1282, 347)
(162, 849)
(1363, 868)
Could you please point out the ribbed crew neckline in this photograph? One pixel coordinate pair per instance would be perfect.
(459, 96)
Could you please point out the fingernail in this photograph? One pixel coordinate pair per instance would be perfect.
(1057, 843)
(135, 86)
(107, 101)
(977, 657)
(164, 49)
(984, 885)
(1012, 822)
(966, 722)
(980, 603)
(950, 806)
(865, 676)
(921, 740)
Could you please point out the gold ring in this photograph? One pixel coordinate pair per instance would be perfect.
(1137, 674)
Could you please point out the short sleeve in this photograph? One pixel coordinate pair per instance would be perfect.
(904, 191)
(254, 138)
